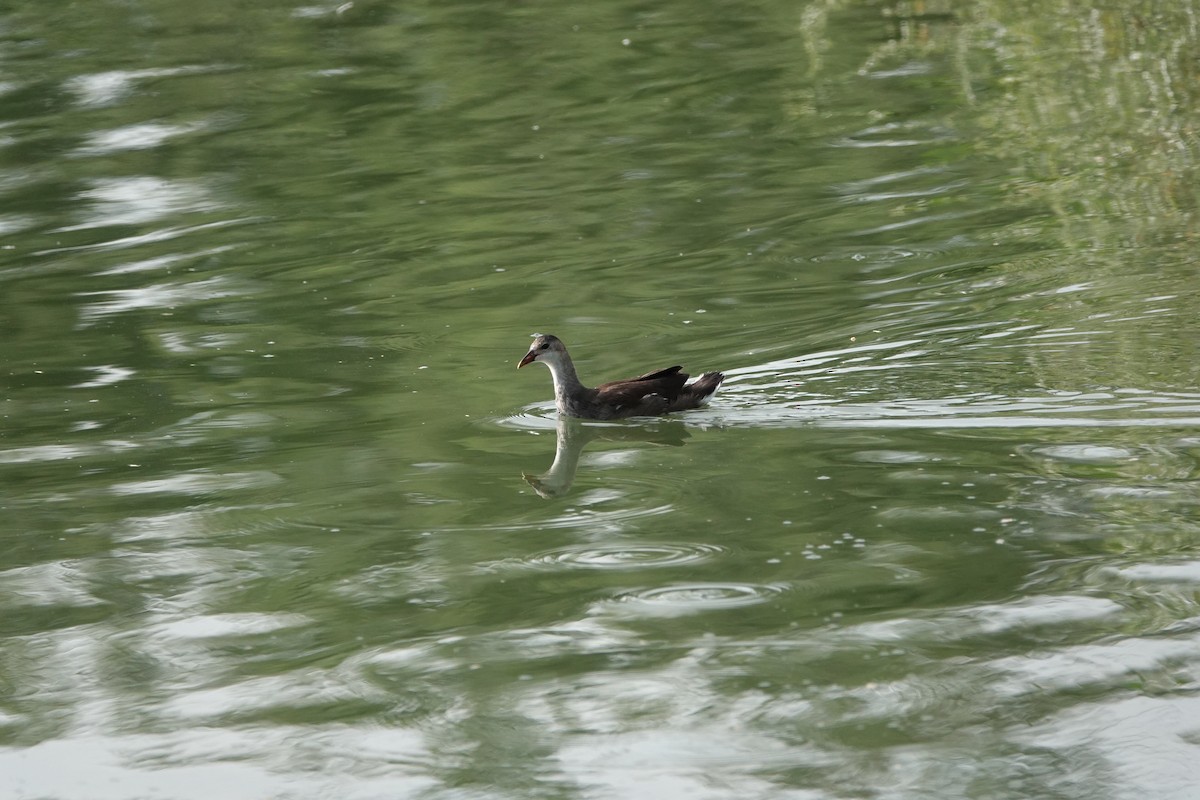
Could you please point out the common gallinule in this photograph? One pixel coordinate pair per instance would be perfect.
(648, 395)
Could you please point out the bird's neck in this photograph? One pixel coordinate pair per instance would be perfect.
(566, 382)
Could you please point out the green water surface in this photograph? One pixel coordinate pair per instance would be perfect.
(279, 518)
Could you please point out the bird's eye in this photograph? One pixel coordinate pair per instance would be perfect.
(545, 346)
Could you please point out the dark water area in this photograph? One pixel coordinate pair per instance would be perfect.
(280, 518)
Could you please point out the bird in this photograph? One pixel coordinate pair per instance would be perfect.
(649, 395)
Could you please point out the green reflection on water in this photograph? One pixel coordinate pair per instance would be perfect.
(278, 507)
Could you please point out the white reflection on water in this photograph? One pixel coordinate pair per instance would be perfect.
(138, 200)
(161, 296)
(1148, 744)
(54, 585)
(105, 88)
(793, 405)
(213, 626)
(198, 483)
(164, 262)
(251, 697)
(706, 762)
(1184, 573)
(142, 136)
(210, 762)
(106, 375)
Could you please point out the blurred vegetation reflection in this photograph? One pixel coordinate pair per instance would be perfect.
(279, 522)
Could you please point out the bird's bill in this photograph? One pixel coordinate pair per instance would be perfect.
(529, 358)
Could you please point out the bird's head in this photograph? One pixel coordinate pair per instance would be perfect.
(546, 348)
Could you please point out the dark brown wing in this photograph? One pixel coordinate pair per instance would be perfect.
(662, 373)
(635, 392)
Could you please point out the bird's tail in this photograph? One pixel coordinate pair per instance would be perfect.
(698, 392)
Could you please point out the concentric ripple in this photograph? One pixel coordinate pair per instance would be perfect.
(625, 556)
(690, 598)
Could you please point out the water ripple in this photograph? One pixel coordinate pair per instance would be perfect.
(690, 598)
(617, 556)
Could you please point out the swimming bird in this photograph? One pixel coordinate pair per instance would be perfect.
(647, 395)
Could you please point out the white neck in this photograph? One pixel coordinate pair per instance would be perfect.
(565, 380)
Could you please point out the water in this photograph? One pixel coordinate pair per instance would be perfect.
(281, 519)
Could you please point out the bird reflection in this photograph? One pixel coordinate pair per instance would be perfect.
(572, 435)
